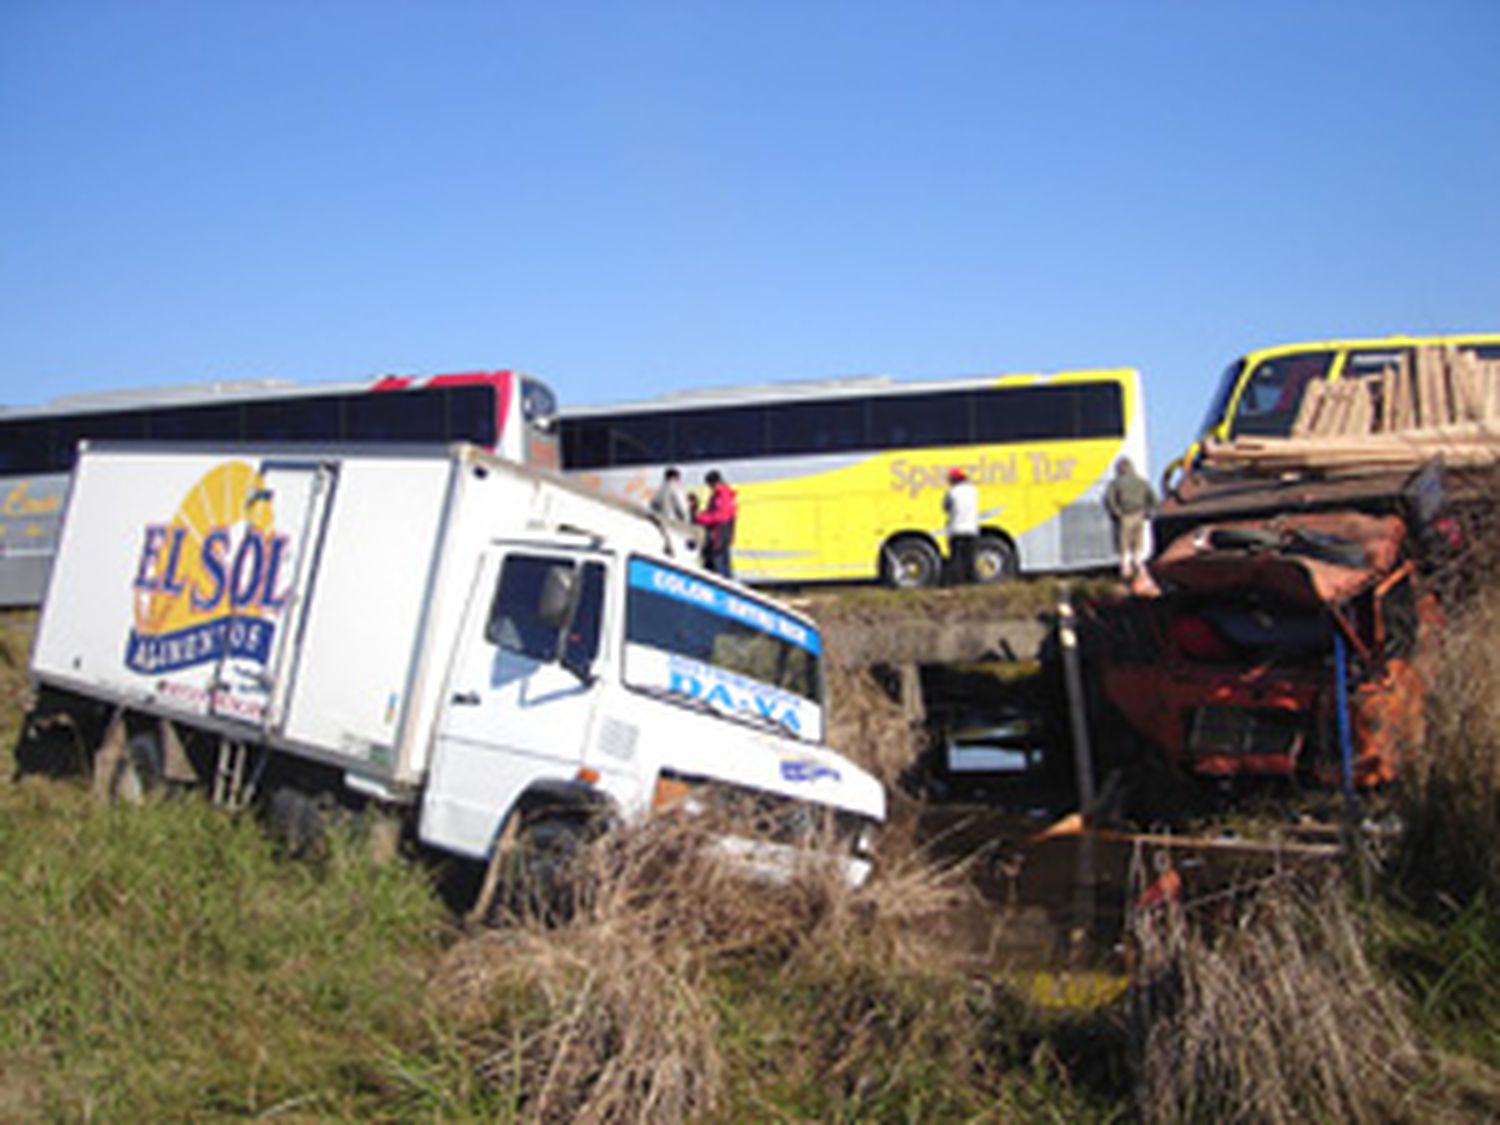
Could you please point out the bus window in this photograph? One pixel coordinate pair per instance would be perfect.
(721, 435)
(643, 439)
(1008, 414)
(471, 415)
(309, 418)
(25, 447)
(126, 425)
(912, 421)
(818, 427)
(1273, 393)
(585, 444)
(537, 400)
(1101, 411)
(410, 416)
(219, 422)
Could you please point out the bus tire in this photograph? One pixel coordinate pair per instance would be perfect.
(910, 562)
(994, 559)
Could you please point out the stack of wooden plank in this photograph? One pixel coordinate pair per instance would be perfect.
(1439, 402)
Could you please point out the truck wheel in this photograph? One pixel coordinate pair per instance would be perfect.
(296, 821)
(910, 563)
(540, 876)
(994, 559)
(140, 771)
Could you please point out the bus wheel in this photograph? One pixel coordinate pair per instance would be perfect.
(911, 563)
(994, 559)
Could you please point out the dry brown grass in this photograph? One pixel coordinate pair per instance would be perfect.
(1450, 794)
(1276, 1015)
(615, 1015)
(870, 728)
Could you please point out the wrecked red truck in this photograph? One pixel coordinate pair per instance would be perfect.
(1283, 646)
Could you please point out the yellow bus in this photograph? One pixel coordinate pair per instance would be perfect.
(844, 479)
(1259, 394)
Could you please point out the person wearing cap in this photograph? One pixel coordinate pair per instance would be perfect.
(961, 506)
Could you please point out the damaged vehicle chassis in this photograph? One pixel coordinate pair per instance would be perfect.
(1286, 646)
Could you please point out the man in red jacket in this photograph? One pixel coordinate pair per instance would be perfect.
(717, 521)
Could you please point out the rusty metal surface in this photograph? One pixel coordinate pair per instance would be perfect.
(1302, 556)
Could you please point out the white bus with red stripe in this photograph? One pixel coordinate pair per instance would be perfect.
(505, 412)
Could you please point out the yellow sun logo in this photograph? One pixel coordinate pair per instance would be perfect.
(195, 567)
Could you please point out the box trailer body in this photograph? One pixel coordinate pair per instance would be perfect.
(444, 630)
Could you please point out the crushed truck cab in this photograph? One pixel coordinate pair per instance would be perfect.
(439, 632)
(1284, 646)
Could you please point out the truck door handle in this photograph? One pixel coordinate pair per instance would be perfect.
(465, 699)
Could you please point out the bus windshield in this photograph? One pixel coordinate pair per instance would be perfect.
(1218, 405)
(686, 635)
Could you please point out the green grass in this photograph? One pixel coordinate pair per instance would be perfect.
(166, 962)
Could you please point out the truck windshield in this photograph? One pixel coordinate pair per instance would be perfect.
(1273, 394)
(687, 635)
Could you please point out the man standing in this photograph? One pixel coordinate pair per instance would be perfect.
(1130, 501)
(961, 505)
(717, 521)
(671, 501)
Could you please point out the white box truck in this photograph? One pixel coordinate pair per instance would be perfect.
(477, 644)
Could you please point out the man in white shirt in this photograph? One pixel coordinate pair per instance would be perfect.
(961, 505)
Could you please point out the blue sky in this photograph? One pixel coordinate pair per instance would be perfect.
(628, 198)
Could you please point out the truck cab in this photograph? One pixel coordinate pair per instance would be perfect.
(1285, 647)
(621, 684)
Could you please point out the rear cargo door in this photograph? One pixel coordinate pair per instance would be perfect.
(268, 563)
(522, 696)
(215, 598)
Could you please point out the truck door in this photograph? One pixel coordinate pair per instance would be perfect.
(521, 698)
(270, 576)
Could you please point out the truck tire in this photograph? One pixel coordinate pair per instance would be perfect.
(540, 877)
(140, 770)
(911, 563)
(296, 821)
(994, 559)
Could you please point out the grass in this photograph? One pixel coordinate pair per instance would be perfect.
(1278, 1016)
(168, 962)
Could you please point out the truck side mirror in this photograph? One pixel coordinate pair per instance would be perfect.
(555, 602)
